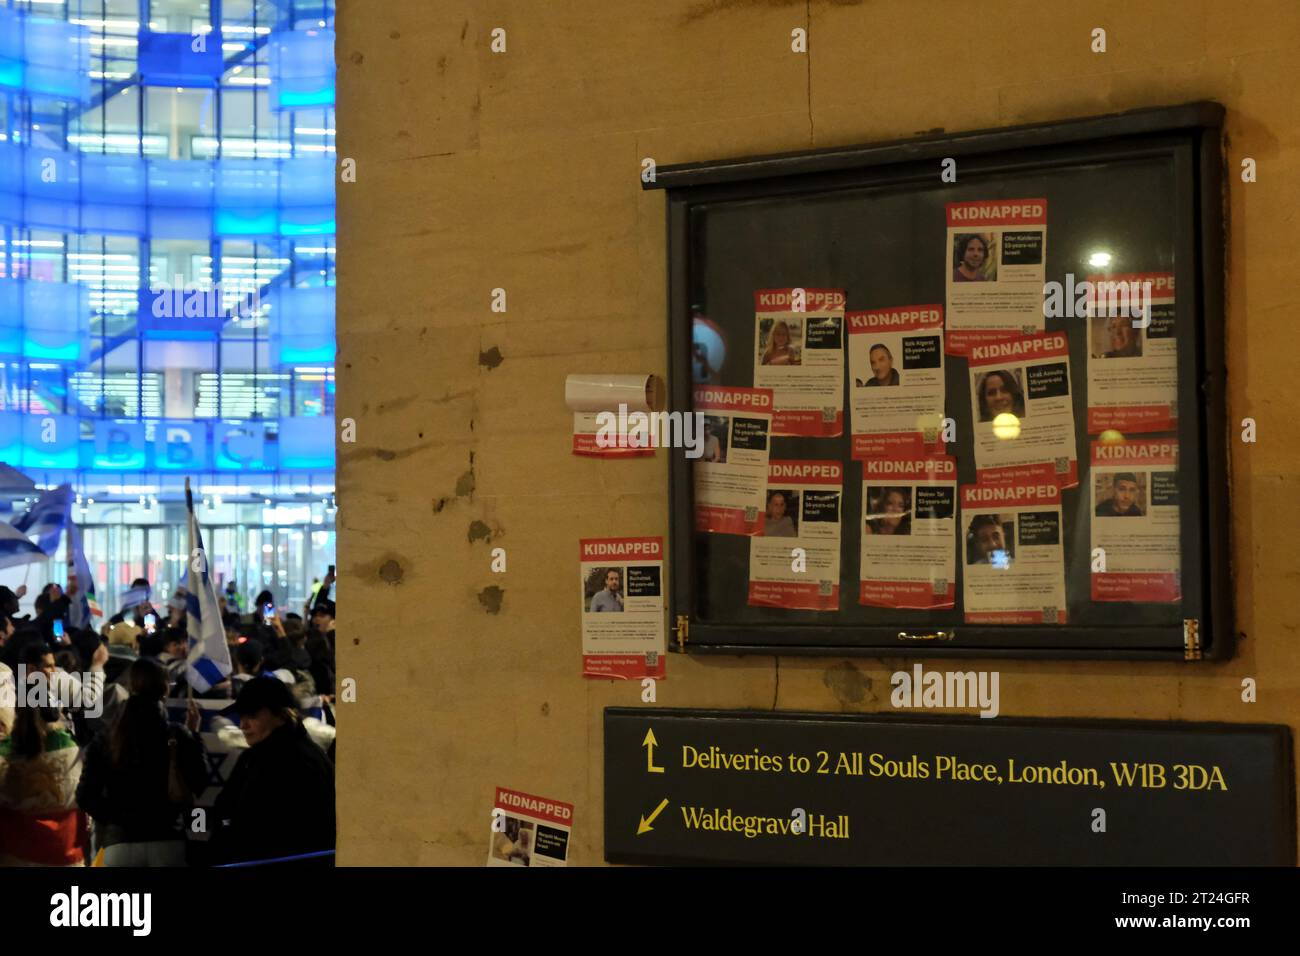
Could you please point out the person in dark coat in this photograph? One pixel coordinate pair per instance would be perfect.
(141, 775)
(279, 800)
(320, 644)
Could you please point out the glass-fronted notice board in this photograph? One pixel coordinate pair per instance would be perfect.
(960, 395)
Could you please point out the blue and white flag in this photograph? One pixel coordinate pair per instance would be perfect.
(48, 518)
(14, 481)
(209, 657)
(15, 549)
(134, 596)
(84, 608)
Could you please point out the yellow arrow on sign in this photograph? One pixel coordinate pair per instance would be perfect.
(650, 744)
(644, 826)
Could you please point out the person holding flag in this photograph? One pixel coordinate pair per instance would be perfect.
(208, 663)
(84, 608)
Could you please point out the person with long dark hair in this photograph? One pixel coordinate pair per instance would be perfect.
(141, 775)
(39, 821)
(999, 393)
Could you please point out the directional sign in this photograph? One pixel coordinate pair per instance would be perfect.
(736, 787)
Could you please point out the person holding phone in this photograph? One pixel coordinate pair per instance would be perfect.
(52, 605)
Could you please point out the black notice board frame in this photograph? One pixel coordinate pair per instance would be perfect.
(1192, 134)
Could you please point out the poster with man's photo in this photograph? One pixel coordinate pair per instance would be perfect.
(1132, 358)
(1021, 407)
(622, 607)
(994, 256)
(529, 830)
(1013, 562)
(1135, 532)
(908, 533)
(896, 390)
(731, 473)
(799, 354)
(795, 562)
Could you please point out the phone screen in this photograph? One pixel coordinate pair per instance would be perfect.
(268, 612)
(58, 627)
(150, 621)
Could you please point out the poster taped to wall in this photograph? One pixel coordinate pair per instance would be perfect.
(799, 354)
(731, 474)
(622, 607)
(795, 563)
(908, 527)
(593, 437)
(1135, 530)
(994, 256)
(1014, 566)
(529, 830)
(896, 381)
(1132, 358)
(1021, 408)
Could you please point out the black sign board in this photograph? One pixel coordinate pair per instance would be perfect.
(698, 786)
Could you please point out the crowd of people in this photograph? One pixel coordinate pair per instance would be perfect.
(95, 769)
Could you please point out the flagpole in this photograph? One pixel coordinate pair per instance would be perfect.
(189, 518)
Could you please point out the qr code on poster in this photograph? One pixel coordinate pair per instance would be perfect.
(1049, 615)
(751, 515)
(1062, 465)
(939, 586)
(1028, 329)
(828, 414)
(651, 658)
(824, 588)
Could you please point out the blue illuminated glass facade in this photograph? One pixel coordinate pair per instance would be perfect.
(167, 172)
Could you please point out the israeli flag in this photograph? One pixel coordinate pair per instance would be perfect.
(48, 518)
(83, 611)
(209, 657)
(134, 596)
(15, 549)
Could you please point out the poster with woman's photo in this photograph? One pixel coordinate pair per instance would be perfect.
(622, 607)
(795, 562)
(731, 473)
(799, 354)
(1013, 562)
(896, 390)
(529, 830)
(1132, 358)
(994, 255)
(1135, 532)
(1021, 408)
(908, 532)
